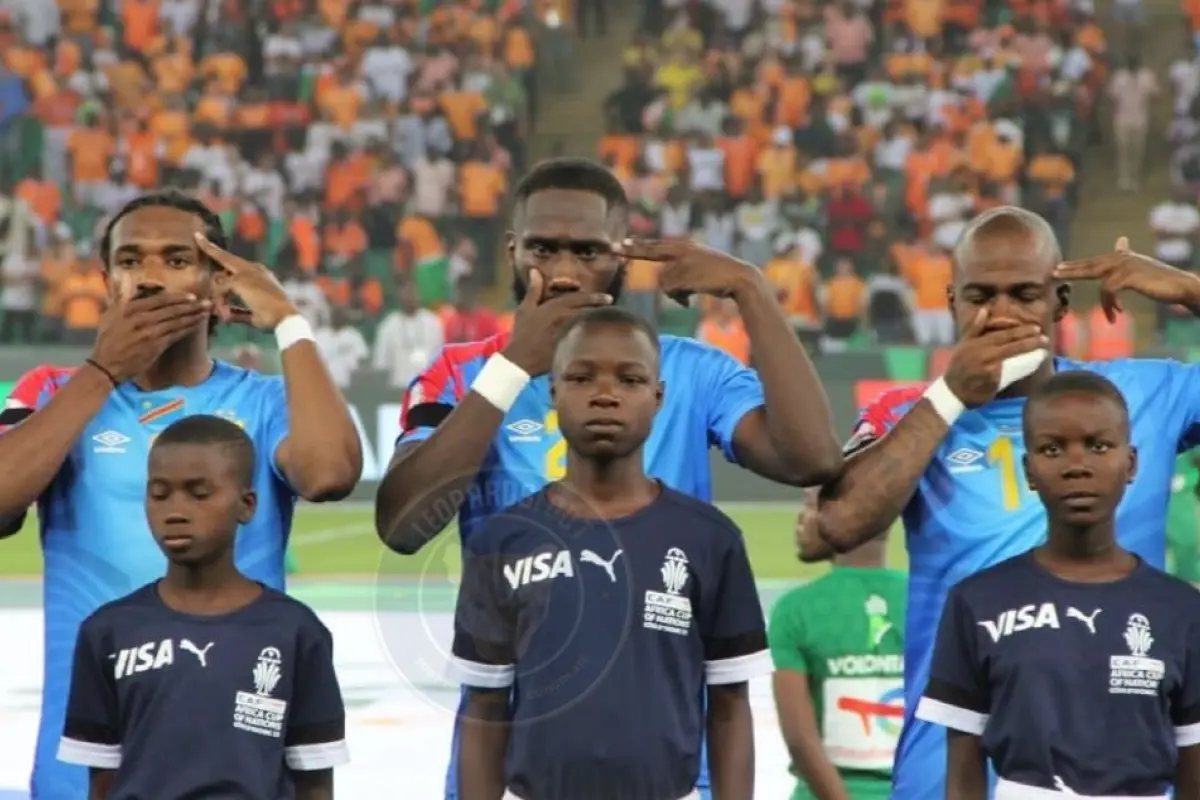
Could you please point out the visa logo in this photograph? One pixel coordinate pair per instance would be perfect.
(542, 567)
(143, 658)
(1020, 619)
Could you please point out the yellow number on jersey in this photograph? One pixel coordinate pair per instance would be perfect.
(1002, 453)
(556, 456)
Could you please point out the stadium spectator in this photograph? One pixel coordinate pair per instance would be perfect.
(1132, 88)
(406, 339)
(854, 130)
(342, 347)
(311, 128)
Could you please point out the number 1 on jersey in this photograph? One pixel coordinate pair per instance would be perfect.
(1002, 454)
(556, 455)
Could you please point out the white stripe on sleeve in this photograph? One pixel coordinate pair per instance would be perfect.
(89, 754)
(948, 716)
(737, 669)
(310, 757)
(481, 676)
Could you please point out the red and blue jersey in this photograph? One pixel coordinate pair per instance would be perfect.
(972, 510)
(706, 394)
(96, 543)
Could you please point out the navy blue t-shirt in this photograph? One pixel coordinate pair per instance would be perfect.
(607, 632)
(1088, 688)
(204, 706)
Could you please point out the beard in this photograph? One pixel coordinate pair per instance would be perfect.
(519, 289)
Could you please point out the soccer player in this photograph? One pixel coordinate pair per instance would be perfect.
(1074, 668)
(1182, 544)
(838, 644)
(948, 456)
(79, 450)
(205, 683)
(478, 423)
(607, 605)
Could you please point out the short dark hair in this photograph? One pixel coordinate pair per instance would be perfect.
(207, 429)
(608, 315)
(1075, 382)
(168, 198)
(572, 174)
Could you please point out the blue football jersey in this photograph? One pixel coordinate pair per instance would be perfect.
(706, 394)
(96, 543)
(973, 509)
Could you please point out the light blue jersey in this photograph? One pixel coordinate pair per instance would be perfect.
(973, 510)
(95, 539)
(707, 393)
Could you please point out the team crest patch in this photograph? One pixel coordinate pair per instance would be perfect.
(670, 611)
(258, 712)
(1136, 673)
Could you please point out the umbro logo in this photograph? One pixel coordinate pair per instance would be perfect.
(524, 430)
(964, 459)
(110, 442)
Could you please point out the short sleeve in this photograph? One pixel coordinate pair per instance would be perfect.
(1185, 399)
(730, 391)
(1185, 705)
(274, 423)
(956, 696)
(785, 634)
(880, 417)
(91, 733)
(32, 391)
(429, 399)
(733, 629)
(483, 654)
(316, 722)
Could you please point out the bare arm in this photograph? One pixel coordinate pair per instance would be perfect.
(1187, 775)
(313, 785)
(966, 767)
(879, 480)
(730, 742)
(798, 722)
(427, 481)
(33, 452)
(791, 439)
(485, 727)
(100, 782)
(322, 454)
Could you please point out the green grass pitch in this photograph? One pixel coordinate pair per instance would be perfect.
(337, 542)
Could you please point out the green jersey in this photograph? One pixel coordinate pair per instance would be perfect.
(1183, 551)
(845, 631)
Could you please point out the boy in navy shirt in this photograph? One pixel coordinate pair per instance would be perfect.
(205, 683)
(606, 623)
(1075, 667)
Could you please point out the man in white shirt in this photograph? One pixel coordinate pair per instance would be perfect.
(407, 339)
(342, 346)
(308, 299)
(1176, 223)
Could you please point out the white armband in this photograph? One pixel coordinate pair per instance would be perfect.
(944, 401)
(291, 330)
(500, 381)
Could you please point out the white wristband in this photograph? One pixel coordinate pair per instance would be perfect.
(291, 330)
(500, 381)
(944, 401)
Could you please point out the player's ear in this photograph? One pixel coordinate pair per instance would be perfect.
(510, 249)
(659, 394)
(1029, 481)
(1062, 294)
(1133, 463)
(248, 504)
(950, 297)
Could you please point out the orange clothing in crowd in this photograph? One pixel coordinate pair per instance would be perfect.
(728, 335)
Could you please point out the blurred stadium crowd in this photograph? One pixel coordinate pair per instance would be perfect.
(364, 150)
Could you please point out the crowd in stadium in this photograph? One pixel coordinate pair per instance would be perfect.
(795, 179)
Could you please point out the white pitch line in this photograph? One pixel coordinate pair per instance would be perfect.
(324, 535)
(359, 506)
